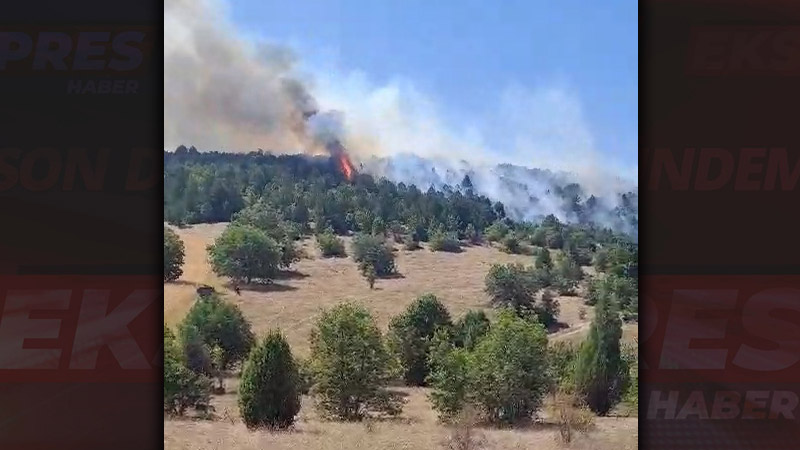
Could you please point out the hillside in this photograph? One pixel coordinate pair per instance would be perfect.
(291, 304)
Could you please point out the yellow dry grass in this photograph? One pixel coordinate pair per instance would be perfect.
(292, 305)
(417, 428)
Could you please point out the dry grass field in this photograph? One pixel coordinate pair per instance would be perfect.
(292, 304)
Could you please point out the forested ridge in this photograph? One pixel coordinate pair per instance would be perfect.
(207, 187)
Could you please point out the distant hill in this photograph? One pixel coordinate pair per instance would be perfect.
(528, 194)
(212, 186)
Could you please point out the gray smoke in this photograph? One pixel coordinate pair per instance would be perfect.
(225, 92)
(527, 193)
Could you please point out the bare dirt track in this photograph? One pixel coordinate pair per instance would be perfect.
(292, 304)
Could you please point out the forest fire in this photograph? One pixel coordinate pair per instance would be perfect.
(339, 153)
(346, 167)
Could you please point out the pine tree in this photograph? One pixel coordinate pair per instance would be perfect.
(269, 394)
(600, 372)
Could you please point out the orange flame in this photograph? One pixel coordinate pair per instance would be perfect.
(346, 166)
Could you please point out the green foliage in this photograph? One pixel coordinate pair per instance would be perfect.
(566, 274)
(616, 259)
(631, 396)
(410, 244)
(213, 186)
(196, 353)
(350, 364)
(305, 375)
(183, 388)
(512, 285)
(504, 376)
(547, 309)
(368, 272)
(378, 226)
(496, 231)
(331, 245)
(471, 328)
(373, 250)
(410, 335)
(622, 291)
(245, 252)
(600, 373)
(174, 253)
(543, 259)
(441, 241)
(472, 235)
(269, 390)
(508, 372)
(511, 244)
(218, 323)
(562, 357)
(450, 380)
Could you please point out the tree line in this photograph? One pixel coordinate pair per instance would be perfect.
(311, 192)
(502, 368)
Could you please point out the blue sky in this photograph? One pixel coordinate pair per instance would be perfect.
(464, 55)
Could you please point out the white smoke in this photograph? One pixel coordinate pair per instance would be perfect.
(224, 91)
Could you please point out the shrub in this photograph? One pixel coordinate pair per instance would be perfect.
(507, 375)
(511, 244)
(547, 309)
(174, 253)
(543, 259)
(290, 254)
(600, 374)
(463, 433)
(441, 241)
(564, 286)
(472, 235)
(512, 285)
(622, 291)
(409, 243)
(449, 378)
(570, 415)
(561, 359)
(378, 226)
(183, 388)
(398, 231)
(615, 259)
(496, 231)
(350, 364)
(373, 250)
(411, 332)
(218, 323)
(306, 376)
(631, 395)
(567, 268)
(269, 392)
(330, 245)
(471, 328)
(266, 218)
(244, 252)
(504, 377)
(553, 238)
(368, 272)
(566, 274)
(196, 354)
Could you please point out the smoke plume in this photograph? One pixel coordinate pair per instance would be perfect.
(224, 91)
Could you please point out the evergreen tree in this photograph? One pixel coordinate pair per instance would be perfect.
(410, 335)
(269, 391)
(600, 375)
(174, 253)
(350, 364)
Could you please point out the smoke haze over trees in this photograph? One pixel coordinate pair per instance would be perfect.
(212, 187)
(227, 91)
